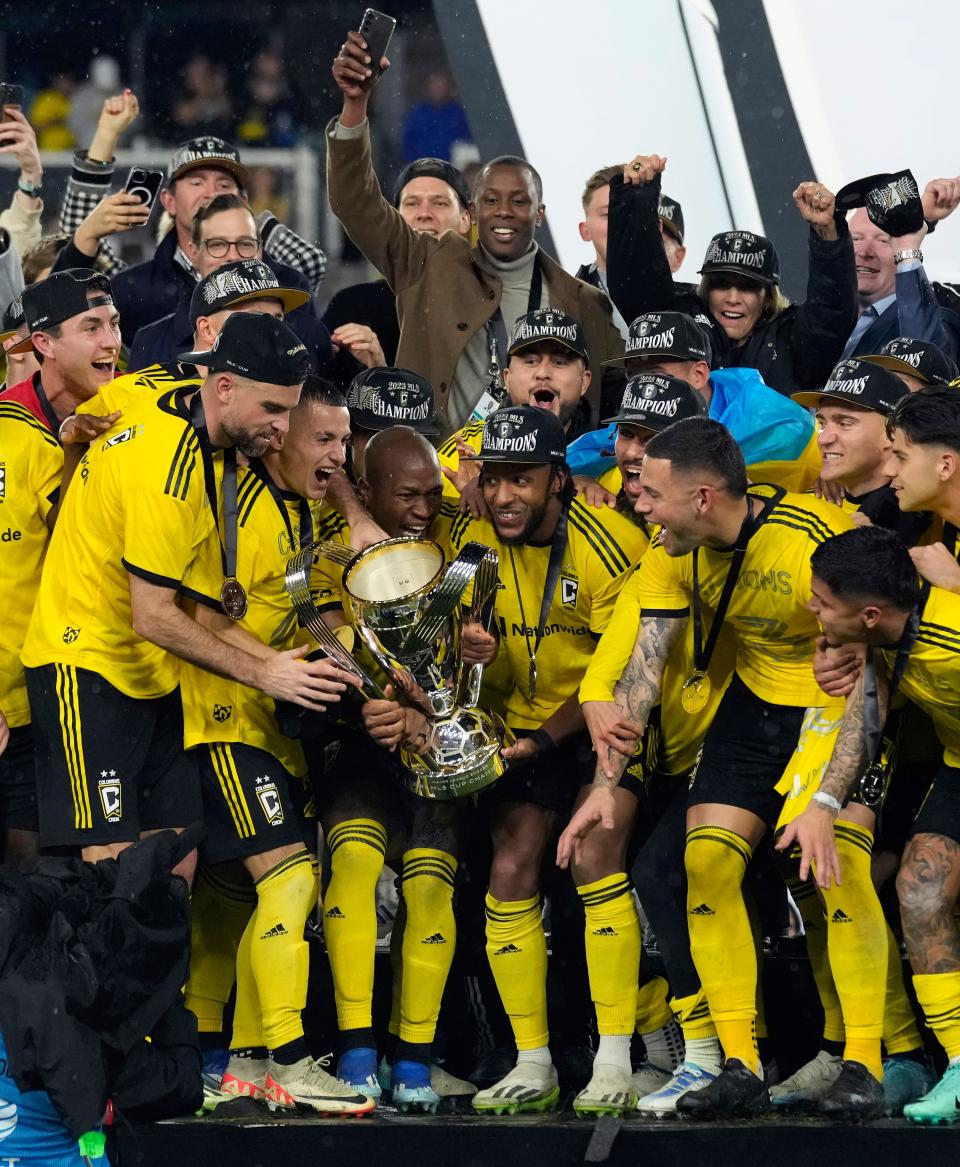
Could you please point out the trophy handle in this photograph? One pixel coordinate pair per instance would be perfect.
(446, 597)
(344, 556)
(481, 612)
(297, 584)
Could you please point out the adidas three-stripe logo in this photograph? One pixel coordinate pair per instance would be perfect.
(276, 930)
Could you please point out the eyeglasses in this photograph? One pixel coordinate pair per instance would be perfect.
(247, 248)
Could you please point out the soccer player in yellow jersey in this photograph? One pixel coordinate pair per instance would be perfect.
(369, 817)
(107, 630)
(71, 323)
(654, 779)
(251, 774)
(744, 556)
(865, 591)
(562, 565)
(547, 366)
(852, 411)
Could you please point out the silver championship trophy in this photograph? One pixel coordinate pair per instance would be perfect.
(406, 610)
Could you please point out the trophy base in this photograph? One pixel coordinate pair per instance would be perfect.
(463, 755)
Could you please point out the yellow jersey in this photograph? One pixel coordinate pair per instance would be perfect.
(270, 525)
(31, 465)
(602, 549)
(681, 733)
(138, 505)
(131, 388)
(775, 633)
(449, 455)
(931, 679)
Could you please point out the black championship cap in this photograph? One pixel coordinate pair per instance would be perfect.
(384, 397)
(548, 324)
(858, 383)
(671, 216)
(59, 297)
(522, 433)
(12, 319)
(433, 168)
(916, 358)
(892, 201)
(261, 348)
(238, 283)
(653, 401)
(665, 334)
(207, 151)
(745, 254)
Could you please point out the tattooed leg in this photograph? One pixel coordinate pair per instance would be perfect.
(928, 886)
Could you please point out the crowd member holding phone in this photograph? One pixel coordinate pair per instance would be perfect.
(20, 222)
(199, 170)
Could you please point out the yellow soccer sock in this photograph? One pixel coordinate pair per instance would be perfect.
(857, 946)
(357, 849)
(900, 1032)
(939, 998)
(814, 918)
(279, 955)
(692, 1014)
(612, 941)
(220, 908)
(429, 939)
(247, 1018)
(653, 1008)
(517, 951)
(721, 941)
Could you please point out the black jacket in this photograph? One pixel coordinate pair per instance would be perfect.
(152, 289)
(373, 304)
(795, 350)
(92, 960)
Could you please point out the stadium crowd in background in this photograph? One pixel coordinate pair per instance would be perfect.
(724, 642)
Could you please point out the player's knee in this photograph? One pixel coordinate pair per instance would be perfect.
(514, 874)
(356, 853)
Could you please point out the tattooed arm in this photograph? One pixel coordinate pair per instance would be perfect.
(636, 693)
(638, 690)
(812, 831)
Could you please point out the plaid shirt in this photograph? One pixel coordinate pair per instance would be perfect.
(90, 182)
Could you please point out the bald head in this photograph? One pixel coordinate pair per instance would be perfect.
(401, 485)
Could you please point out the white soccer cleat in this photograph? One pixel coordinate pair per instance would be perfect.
(528, 1088)
(307, 1084)
(609, 1091)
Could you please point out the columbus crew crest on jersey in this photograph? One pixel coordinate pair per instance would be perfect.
(569, 587)
(111, 796)
(269, 798)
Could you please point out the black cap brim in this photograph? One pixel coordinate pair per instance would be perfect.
(290, 298)
(732, 269)
(532, 341)
(895, 365)
(813, 397)
(237, 169)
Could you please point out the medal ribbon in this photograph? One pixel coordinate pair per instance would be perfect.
(306, 520)
(228, 539)
(872, 726)
(497, 340)
(557, 546)
(703, 653)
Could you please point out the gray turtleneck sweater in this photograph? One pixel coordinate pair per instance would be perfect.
(472, 374)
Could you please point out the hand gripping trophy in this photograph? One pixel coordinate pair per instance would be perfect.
(406, 609)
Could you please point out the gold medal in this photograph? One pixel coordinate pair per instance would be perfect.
(233, 599)
(532, 679)
(695, 693)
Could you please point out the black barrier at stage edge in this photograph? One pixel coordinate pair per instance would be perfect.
(466, 1141)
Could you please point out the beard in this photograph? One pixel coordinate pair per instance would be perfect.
(251, 445)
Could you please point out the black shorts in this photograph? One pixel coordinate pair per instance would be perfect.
(251, 803)
(549, 780)
(745, 752)
(940, 813)
(643, 766)
(109, 766)
(18, 782)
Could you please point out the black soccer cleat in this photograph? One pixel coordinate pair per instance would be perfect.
(737, 1091)
(856, 1096)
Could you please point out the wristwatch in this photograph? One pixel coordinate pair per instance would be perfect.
(903, 256)
(29, 189)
